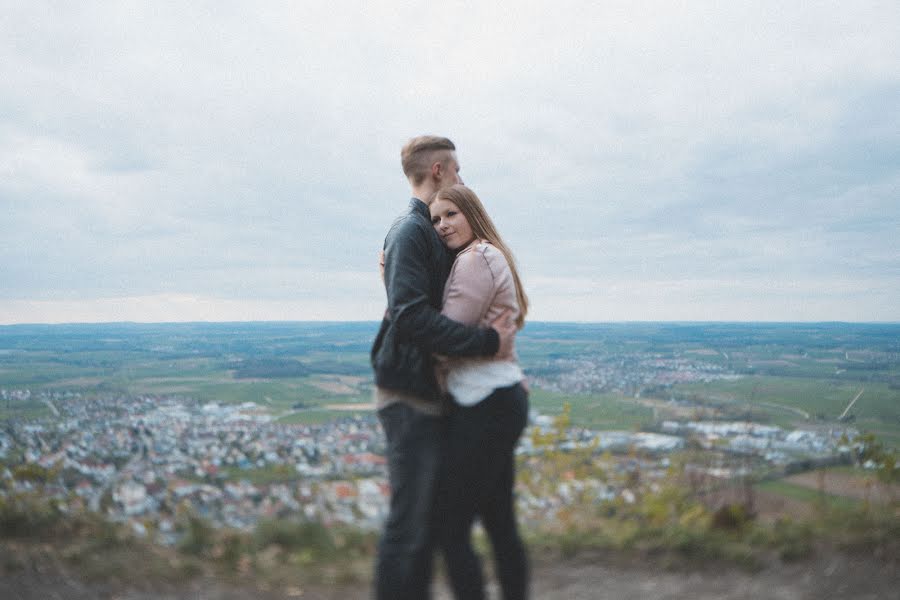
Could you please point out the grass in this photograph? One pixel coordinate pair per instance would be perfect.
(816, 396)
(805, 494)
(206, 379)
(40, 372)
(34, 533)
(262, 476)
(279, 395)
(877, 410)
(595, 411)
(23, 410)
(315, 416)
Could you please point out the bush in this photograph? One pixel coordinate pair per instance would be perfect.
(873, 531)
(230, 549)
(33, 473)
(28, 515)
(793, 541)
(731, 517)
(296, 536)
(199, 537)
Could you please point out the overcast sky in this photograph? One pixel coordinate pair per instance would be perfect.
(645, 161)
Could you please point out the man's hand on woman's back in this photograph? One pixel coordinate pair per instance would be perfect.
(506, 330)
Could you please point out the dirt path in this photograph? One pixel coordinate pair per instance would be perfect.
(790, 409)
(577, 579)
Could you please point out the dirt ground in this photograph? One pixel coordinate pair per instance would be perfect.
(582, 578)
(847, 485)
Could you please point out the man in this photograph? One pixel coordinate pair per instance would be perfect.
(407, 396)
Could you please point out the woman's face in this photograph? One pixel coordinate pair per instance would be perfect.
(451, 224)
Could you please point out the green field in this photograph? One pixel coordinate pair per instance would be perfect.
(199, 361)
(24, 409)
(877, 410)
(279, 395)
(790, 373)
(315, 416)
(594, 411)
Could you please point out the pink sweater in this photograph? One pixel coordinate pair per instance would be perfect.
(480, 287)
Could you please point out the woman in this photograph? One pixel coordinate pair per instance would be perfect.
(491, 404)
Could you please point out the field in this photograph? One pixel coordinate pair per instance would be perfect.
(786, 374)
(609, 411)
(806, 495)
(293, 370)
(849, 483)
(791, 401)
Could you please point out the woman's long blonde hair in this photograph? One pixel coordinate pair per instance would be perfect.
(483, 228)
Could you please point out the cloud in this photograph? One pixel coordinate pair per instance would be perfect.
(759, 298)
(250, 154)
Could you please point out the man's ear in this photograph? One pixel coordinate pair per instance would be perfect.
(437, 170)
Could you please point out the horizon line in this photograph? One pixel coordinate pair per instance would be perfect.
(361, 321)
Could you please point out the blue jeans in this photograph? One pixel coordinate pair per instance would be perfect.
(477, 481)
(406, 548)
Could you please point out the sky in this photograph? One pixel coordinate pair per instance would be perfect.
(645, 161)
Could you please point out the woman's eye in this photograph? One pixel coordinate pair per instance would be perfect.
(434, 221)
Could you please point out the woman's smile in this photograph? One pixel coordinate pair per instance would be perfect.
(450, 224)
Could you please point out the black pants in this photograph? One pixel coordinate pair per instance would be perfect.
(406, 549)
(477, 480)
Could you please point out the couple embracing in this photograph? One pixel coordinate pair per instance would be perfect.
(450, 394)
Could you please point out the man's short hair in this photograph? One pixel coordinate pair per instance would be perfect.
(417, 155)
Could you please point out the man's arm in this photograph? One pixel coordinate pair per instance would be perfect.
(407, 281)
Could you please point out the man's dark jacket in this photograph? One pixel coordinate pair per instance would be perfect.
(416, 266)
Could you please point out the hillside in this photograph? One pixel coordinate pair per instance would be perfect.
(235, 461)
